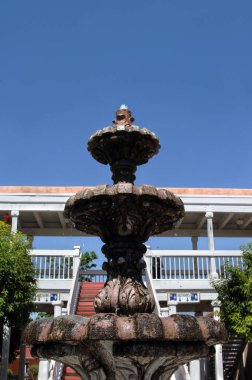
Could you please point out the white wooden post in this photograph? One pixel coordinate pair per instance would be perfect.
(43, 373)
(172, 307)
(216, 304)
(14, 221)
(148, 259)
(195, 370)
(76, 260)
(57, 311)
(57, 308)
(209, 217)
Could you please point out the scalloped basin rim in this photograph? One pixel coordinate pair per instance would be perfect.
(140, 327)
(127, 189)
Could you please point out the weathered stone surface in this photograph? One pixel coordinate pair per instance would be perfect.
(124, 210)
(124, 296)
(140, 327)
(107, 346)
(124, 216)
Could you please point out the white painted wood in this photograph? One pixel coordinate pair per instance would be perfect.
(225, 220)
(54, 252)
(219, 374)
(54, 284)
(185, 252)
(210, 235)
(43, 373)
(14, 221)
(246, 223)
(200, 222)
(62, 219)
(39, 219)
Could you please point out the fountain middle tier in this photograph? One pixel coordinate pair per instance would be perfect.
(124, 210)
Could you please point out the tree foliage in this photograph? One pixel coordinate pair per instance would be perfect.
(235, 294)
(17, 283)
(87, 262)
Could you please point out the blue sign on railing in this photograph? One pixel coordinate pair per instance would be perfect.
(184, 297)
(53, 297)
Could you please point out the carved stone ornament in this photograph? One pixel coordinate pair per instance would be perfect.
(124, 340)
(108, 347)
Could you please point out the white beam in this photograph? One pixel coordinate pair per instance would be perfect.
(179, 223)
(70, 231)
(47, 205)
(225, 220)
(200, 222)
(39, 219)
(62, 219)
(245, 224)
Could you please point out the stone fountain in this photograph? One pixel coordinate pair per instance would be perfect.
(124, 340)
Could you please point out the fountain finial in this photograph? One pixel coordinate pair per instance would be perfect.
(123, 116)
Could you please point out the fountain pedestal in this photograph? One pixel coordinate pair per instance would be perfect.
(124, 340)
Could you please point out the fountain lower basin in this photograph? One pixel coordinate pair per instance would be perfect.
(107, 346)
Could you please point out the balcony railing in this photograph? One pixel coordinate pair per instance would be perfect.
(191, 265)
(93, 275)
(54, 264)
(163, 265)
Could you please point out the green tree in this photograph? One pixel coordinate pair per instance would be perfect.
(87, 262)
(17, 284)
(235, 293)
(34, 370)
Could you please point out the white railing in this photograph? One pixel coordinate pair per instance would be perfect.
(190, 265)
(151, 289)
(93, 275)
(54, 264)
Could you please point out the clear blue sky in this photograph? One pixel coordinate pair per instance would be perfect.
(183, 67)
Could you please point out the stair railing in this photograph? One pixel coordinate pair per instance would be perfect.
(232, 355)
(152, 291)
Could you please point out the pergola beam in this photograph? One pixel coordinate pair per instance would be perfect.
(225, 220)
(200, 222)
(62, 219)
(179, 223)
(39, 219)
(245, 224)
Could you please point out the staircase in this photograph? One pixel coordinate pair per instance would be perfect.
(85, 307)
(232, 354)
(88, 291)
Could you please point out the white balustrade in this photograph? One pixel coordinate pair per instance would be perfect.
(190, 265)
(54, 264)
